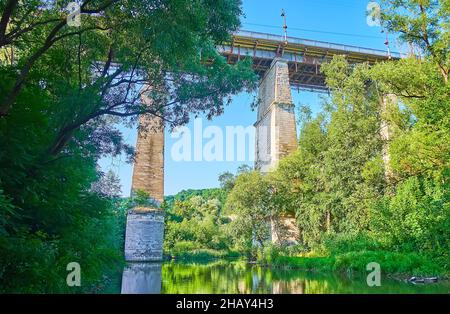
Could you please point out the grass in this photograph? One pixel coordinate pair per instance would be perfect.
(203, 255)
(400, 264)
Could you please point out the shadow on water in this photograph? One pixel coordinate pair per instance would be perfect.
(241, 277)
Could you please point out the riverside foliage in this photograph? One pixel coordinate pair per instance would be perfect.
(63, 91)
(345, 195)
(353, 204)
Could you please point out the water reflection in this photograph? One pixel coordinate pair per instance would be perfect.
(142, 278)
(240, 277)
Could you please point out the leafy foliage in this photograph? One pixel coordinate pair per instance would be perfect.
(352, 187)
(416, 218)
(63, 92)
(195, 223)
(207, 194)
(250, 203)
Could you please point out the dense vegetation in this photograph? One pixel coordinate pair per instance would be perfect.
(358, 195)
(369, 181)
(63, 91)
(197, 225)
(370, 178)
(218, 194)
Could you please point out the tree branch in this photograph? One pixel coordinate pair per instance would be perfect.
(6, 16)
(10, 98)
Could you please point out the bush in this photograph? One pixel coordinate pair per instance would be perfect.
(268, 254)
(342, 243)
(416, 219)
(36, 262)
(390, 263)
(202, 255)
(195, 223)
(184, 246)
(294, 250)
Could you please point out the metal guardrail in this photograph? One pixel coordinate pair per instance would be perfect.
(317, 44)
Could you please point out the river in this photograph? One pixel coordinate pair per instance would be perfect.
(241, 277)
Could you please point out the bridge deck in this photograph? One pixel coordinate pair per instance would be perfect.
(304, 56)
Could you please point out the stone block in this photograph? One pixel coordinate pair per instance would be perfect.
(144, 236)
(284, 230)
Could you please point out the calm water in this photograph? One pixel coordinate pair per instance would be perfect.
(241, 277)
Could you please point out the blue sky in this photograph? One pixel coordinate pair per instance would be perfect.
(338, 21)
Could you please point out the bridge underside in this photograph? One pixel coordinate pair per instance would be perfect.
(302, 76)
(303, 56)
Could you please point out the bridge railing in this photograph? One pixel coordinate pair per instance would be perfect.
(317, 44)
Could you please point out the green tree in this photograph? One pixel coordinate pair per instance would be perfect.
(63, 92)
(416, 218)
(336, 181)
(300, 181)
(108, 185)
(226, 180)
(251, 204)
(195, 223)
(424, 23)
(124, 51)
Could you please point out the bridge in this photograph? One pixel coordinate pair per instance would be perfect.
(303, 56)
(281, 63)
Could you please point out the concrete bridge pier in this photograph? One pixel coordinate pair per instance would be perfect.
(145, 222)
(276, 136)
(387, 102)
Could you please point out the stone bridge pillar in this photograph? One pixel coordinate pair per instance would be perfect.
(145, 223)
(148, 171)
(276, 135)
(387, 102)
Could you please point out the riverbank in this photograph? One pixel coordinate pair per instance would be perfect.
(395, 265)
(201, 255)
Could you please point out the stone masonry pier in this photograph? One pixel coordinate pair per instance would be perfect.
(145, 223)
(276, 136)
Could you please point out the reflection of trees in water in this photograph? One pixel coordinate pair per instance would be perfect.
(241, 277)
(296, 286)
(238, 277)
(197, 278)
